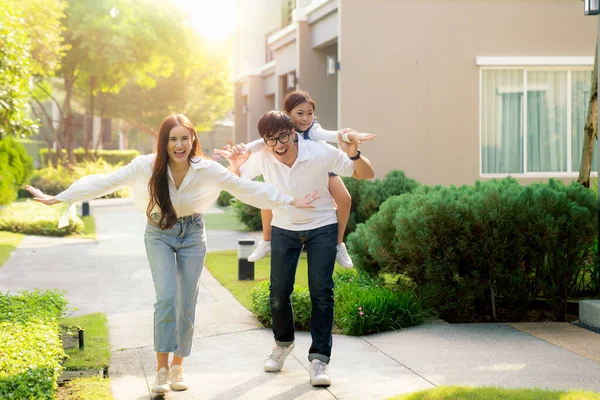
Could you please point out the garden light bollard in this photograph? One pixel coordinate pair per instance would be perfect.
(245, 267)
(81, 342)
(85, 208)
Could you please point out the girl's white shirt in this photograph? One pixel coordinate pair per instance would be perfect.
(316, 133)
(198, 191)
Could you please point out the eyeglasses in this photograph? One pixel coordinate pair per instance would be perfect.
(283, 138)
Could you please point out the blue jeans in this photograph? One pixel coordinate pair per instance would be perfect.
(321, 251)
(176, 259)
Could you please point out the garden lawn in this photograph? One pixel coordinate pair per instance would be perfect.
(96, 352)
(96, 388)
(227, 221)
(488, 393)
(223, 265)
(9, 241)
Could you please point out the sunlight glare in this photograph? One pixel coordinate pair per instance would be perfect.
(212, 19)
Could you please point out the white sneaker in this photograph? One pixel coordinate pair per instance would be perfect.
(177, 381)
(161, 383)
(275, 361)
(262, 249)
(342, 256)
(318, 373)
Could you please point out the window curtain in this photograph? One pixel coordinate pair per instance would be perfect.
(581, 85)
(546, 121)
(501, 121)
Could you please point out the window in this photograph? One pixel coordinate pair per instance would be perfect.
(532, 119)
(287, 7)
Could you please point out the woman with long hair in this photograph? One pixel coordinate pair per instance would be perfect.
(174, 187)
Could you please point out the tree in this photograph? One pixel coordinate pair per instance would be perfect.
(591, 129)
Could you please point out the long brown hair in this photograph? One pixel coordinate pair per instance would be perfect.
(295, 98)
(158, 187)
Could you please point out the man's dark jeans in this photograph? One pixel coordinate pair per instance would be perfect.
(321, 251)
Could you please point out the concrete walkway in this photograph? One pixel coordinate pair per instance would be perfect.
(111, 275)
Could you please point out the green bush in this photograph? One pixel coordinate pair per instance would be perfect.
(224, 199)
(15, 169)
(367, 196)
(473, 250)
(112, 157)
(31, 218)
(301, 304)
(364, 305)
(247, 214)
(30, 346)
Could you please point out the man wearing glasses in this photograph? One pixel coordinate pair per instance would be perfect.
(297, 167)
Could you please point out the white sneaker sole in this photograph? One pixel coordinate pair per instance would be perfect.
(321, 381)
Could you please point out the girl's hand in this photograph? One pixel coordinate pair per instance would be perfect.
(350, 135)
(306, 202)
(40, 197)
(235, 155)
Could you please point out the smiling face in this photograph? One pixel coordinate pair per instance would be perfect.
(302, 116)
(283, 146)
(179, 144)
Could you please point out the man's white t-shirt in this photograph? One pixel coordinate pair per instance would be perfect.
(309, 172)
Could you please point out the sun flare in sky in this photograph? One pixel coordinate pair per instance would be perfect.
(212, 19)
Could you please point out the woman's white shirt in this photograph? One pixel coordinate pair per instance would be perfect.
(198, 191)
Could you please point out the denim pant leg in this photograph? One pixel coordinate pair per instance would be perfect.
(161, 256)
(190, 255)
(321, 248)
(285, 252)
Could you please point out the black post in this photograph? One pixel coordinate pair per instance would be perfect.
(245, 267)
(81, 343)
(85, 209)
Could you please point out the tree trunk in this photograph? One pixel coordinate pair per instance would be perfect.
(62, 127)
(591, 129)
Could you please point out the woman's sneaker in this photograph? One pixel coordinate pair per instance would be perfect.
(342, 256)
(318, 373)
(277, 357)
(161, 383)
(262, 249)
(177, 381)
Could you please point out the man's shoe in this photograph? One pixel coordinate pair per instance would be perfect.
(177, 381)
(342, 256)
(318, 373)
(161, 383)
(275, 361)
(262, 249)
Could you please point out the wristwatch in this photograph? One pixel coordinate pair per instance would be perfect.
(356, 157)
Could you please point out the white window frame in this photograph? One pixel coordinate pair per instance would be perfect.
(568, 64)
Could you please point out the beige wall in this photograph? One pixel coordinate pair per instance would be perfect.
(408, 73)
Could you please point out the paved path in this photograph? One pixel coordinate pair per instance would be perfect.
(111, 275)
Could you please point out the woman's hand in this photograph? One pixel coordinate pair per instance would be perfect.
(306, 202)
(41, 197)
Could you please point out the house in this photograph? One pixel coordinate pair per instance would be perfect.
(456, 90)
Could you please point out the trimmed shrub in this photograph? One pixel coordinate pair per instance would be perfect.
(224, 199)
(15, 169)
(482, 250)
(247, 214)
(30, 344)
(31, 218)
(301, 304)
(112, 157)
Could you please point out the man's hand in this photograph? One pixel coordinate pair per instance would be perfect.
(350, 135)
(306, 202)
(235, 155)
(349, 148)
(41, 197)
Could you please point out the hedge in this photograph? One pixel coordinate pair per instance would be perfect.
(31, 351)
(110, 156)
(15, 169)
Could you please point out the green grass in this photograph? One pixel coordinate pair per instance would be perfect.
(223, 265)
(95, 388)
(96, 352)
(487, 393)
(227, 221)
(9, 241)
